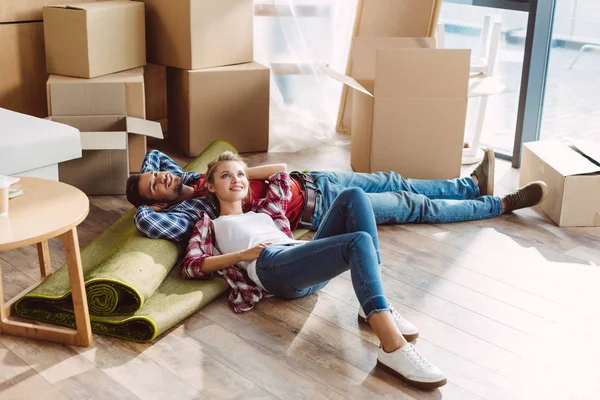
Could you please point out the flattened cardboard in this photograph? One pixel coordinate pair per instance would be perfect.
(121, 93)
(93, 39)
(386, 18)
(573, 180)
(184, 33)
(23, 68)
(104, 166)
(25, 10)
(227, 103)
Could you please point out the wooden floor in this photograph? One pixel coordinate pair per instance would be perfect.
(508, 308)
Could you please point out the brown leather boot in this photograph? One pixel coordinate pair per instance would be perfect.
(485, 173)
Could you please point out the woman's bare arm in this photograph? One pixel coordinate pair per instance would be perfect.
(265, 171)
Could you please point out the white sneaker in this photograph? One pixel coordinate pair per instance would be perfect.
(408, 330)
(410, 366)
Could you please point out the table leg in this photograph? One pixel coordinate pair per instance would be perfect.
(44, 257)
(80, 307)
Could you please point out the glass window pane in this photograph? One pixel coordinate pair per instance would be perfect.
(572, 99)
(463, 29)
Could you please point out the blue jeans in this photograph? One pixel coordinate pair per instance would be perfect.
(347, 239)
(396, 200)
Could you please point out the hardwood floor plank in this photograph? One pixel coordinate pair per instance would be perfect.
(65, 370)
(252, 362)
(203, 372)
(483, 284)
(141, 375)
(361, 355)
(465, 297)
(291, 339)
(343, 312)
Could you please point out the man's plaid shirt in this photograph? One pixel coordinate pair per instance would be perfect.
(243, 294)
(177, 222)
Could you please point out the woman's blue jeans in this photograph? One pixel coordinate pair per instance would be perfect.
(396, 200)
(346, 239)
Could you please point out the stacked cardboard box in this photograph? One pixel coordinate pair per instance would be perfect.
(23, 60)
(214, 90)
(95, 52)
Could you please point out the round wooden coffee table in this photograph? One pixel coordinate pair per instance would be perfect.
(47, 209)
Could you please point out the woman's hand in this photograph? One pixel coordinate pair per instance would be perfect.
(252, 253)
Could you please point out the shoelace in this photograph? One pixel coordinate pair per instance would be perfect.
(513, 200)
(397, 316)
(417, 359)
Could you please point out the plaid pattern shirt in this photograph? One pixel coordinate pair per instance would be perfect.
(177, 222)
(244, 294)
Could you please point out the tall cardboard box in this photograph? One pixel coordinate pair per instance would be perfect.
(192, 34)
(23, 68)
(26, 10)
(409, 107)
(572, 172)
(93, 39)
(120, 94)
(228, 103)
(103, 168)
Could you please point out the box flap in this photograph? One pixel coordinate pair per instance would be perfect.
(587, 148)
(131, 75)
(143, 127)
(100, 5)
(345, 80)
(481, 85)
(415, 73)
(364, 52)
(562, 158)
(103, 140)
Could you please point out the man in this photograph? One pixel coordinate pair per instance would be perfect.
(170, 200)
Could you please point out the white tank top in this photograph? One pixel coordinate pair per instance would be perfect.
(240, 232)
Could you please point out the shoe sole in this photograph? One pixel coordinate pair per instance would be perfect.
(407, 337)
(417, 384)
(491, 174)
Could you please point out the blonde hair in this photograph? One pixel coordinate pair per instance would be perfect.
(212, 168)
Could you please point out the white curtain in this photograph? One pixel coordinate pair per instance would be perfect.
(294, 37)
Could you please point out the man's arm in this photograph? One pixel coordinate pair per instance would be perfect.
(173, 226)
(263, 172)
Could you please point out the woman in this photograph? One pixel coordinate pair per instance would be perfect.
(261, 243)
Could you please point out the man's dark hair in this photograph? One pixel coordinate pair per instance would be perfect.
(133, 192)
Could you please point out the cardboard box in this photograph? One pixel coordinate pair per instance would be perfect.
(94, 39)
(192, 34)
(572, 173)
(116, 94)
(409, 106)
(386, 18)
(23, 68)
(103, 168)
(155, 86)
(227, 103)
(26, 10)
